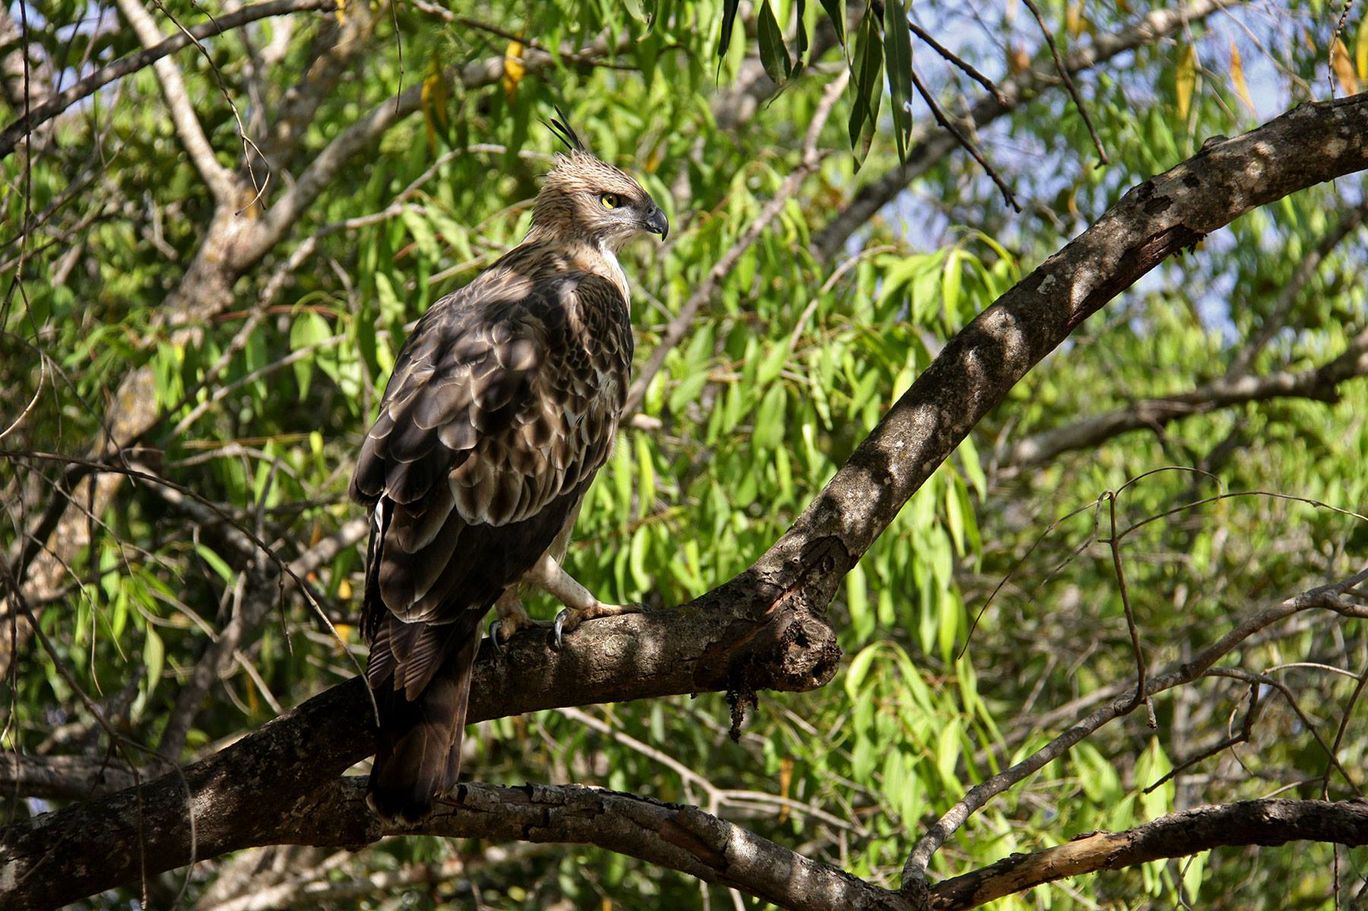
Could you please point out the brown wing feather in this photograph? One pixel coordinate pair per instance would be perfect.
(502, 406)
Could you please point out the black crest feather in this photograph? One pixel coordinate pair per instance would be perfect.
(560, 127)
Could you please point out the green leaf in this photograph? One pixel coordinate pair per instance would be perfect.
(769, 419)
(836, 10)
(867, 75)
(898, 54)
(421, 230)
(857, 601)
(309, 329)
(216, 563)
(154, 658)
(858, 670)
(774, 56)
(729, 10)
(952, 277)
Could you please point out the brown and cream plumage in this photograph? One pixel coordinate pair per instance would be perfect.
(503, 405)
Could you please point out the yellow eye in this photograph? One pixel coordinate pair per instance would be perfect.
(610, 200)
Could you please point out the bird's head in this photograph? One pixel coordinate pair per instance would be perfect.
(585, 198)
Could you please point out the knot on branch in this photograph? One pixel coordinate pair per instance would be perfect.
(786, 643)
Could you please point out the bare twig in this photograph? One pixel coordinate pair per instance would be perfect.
(929, 145)
(1114, 544)
(1063, 70)
(1234, 389)
(963, 140)
(84, 88)
(1333, 597)
(1225, 743)
(957, 61)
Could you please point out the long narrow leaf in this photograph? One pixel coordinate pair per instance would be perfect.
(898, 54)
(773, 55)
(729, 11)
(867, 69)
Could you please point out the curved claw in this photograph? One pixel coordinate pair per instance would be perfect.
(557, 630)
(494, 635)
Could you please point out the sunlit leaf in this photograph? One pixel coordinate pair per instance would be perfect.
(1185, 79)
(1343, 67)
(867, 85)
(1237, 77)
(898, 56)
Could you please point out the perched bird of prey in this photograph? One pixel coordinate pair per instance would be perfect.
(503, 405)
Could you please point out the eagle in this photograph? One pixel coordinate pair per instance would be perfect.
(502, 407)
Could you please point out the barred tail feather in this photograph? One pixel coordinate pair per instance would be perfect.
(420, 741)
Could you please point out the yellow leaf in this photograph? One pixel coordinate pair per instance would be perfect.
(1018, 60)
(1073, 19)
(1237, 77)
(1186, 80)
(434, 99)
(1361, 49)
(344, 590)
(341, 12)
(1343, 69)
(513, 69)
(785, 782)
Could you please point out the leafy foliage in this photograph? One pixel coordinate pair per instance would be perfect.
(788, 366)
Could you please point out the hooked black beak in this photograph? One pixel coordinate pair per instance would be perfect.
(657, 223)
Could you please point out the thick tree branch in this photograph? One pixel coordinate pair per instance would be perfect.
(929, 144)
(1321, 383)
(1252, 822)
(977, 368)
(679, 837)
(62, 777)
(766, 628)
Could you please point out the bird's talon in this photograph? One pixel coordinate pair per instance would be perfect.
(559, 628)
(494, 635)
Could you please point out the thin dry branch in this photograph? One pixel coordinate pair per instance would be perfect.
(1320, 383)
(1335, 597)
(929, 145)
(1064, 76)
(84, 88)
